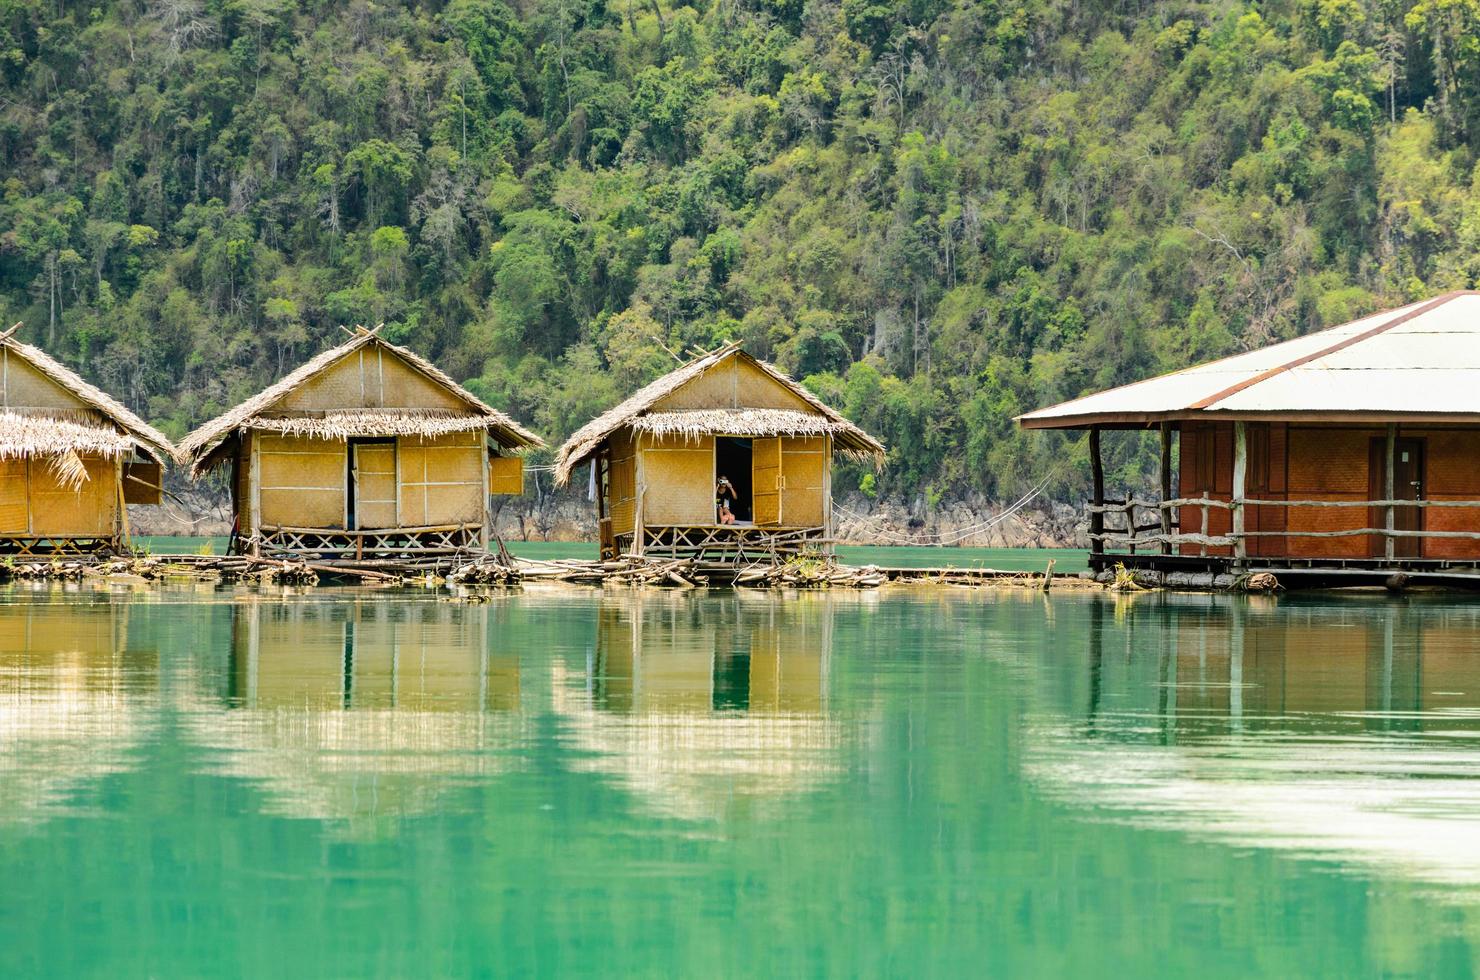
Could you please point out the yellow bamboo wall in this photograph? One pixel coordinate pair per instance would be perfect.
(368, 378)
(622, 482)
(442, 479)
(734, 383)
(33, 502)
(304, 481)
(804, 465)
(23, 388)
(678, 480)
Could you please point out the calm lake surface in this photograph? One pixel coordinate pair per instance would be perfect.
(943, 782)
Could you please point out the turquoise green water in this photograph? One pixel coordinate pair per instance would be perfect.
(1066, 560)
(907, 782)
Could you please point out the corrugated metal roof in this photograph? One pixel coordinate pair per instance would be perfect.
(1420, 360)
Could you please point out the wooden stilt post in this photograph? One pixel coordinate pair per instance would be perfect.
(1097, 478)
(1166, 488)
(1388, 488)
(1240, 468)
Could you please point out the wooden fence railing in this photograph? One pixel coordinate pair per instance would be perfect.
(1156, 524)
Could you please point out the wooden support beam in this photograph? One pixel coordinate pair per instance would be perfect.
(1240, 472)
(1388, 542)
(1166, 486)
(1097, 480)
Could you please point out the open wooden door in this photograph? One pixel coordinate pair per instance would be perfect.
(765, 480)
(373, 468)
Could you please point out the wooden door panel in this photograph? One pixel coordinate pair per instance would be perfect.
(375, 485)
(765, 480)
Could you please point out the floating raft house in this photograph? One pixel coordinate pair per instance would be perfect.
(659, 455)
(71, 458)
(365, 453)
(1348, 454)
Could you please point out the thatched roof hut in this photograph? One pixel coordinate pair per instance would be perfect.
(365, 437)
(71, 456)
(659, 454)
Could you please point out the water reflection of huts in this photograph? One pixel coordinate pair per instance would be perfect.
(362, 711)
(1348, 730)
(77, 701)
(697, 706)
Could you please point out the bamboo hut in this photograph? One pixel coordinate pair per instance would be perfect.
(658, 456)
(71, 458)
(365, 452)
(1348, 453)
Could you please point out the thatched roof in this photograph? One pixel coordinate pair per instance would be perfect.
(55, 437)
(368, 423)
(635, 412)
(252, 413)
(61, 442)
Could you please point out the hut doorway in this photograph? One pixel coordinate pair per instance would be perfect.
(732, 459)
(1408, 484)
(371, 499)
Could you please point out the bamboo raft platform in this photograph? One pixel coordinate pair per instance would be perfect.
(500, 568)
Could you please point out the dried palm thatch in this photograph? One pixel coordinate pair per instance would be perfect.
(198, 446)
(61, 443)
(357, 424)
(761, 422)
(139, 434)
(848, 438)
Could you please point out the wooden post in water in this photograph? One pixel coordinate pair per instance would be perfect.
(1166, 488)
(1097, 478)
(1388, 487)
(1240, 468)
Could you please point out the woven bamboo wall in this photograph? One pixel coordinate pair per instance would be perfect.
(375, 484)
(302, 483)
(732, 384)
(622, 481)
(442, 479)
(373, 378)
(22, 387)
(247, 518)
(804, 462)
(15, 497)
(506, 475)
(678, 477)
(60, 510)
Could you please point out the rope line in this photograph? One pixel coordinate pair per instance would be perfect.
(956, 536)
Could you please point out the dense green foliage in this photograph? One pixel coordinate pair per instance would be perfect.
(939, 212)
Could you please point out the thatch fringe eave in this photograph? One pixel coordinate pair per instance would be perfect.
(848, 439)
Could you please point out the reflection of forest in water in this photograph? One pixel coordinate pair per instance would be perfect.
(1347, 729)
(699, 705)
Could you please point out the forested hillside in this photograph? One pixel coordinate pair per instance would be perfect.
(938, 212)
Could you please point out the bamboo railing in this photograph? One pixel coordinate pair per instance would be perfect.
(1163, 531)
